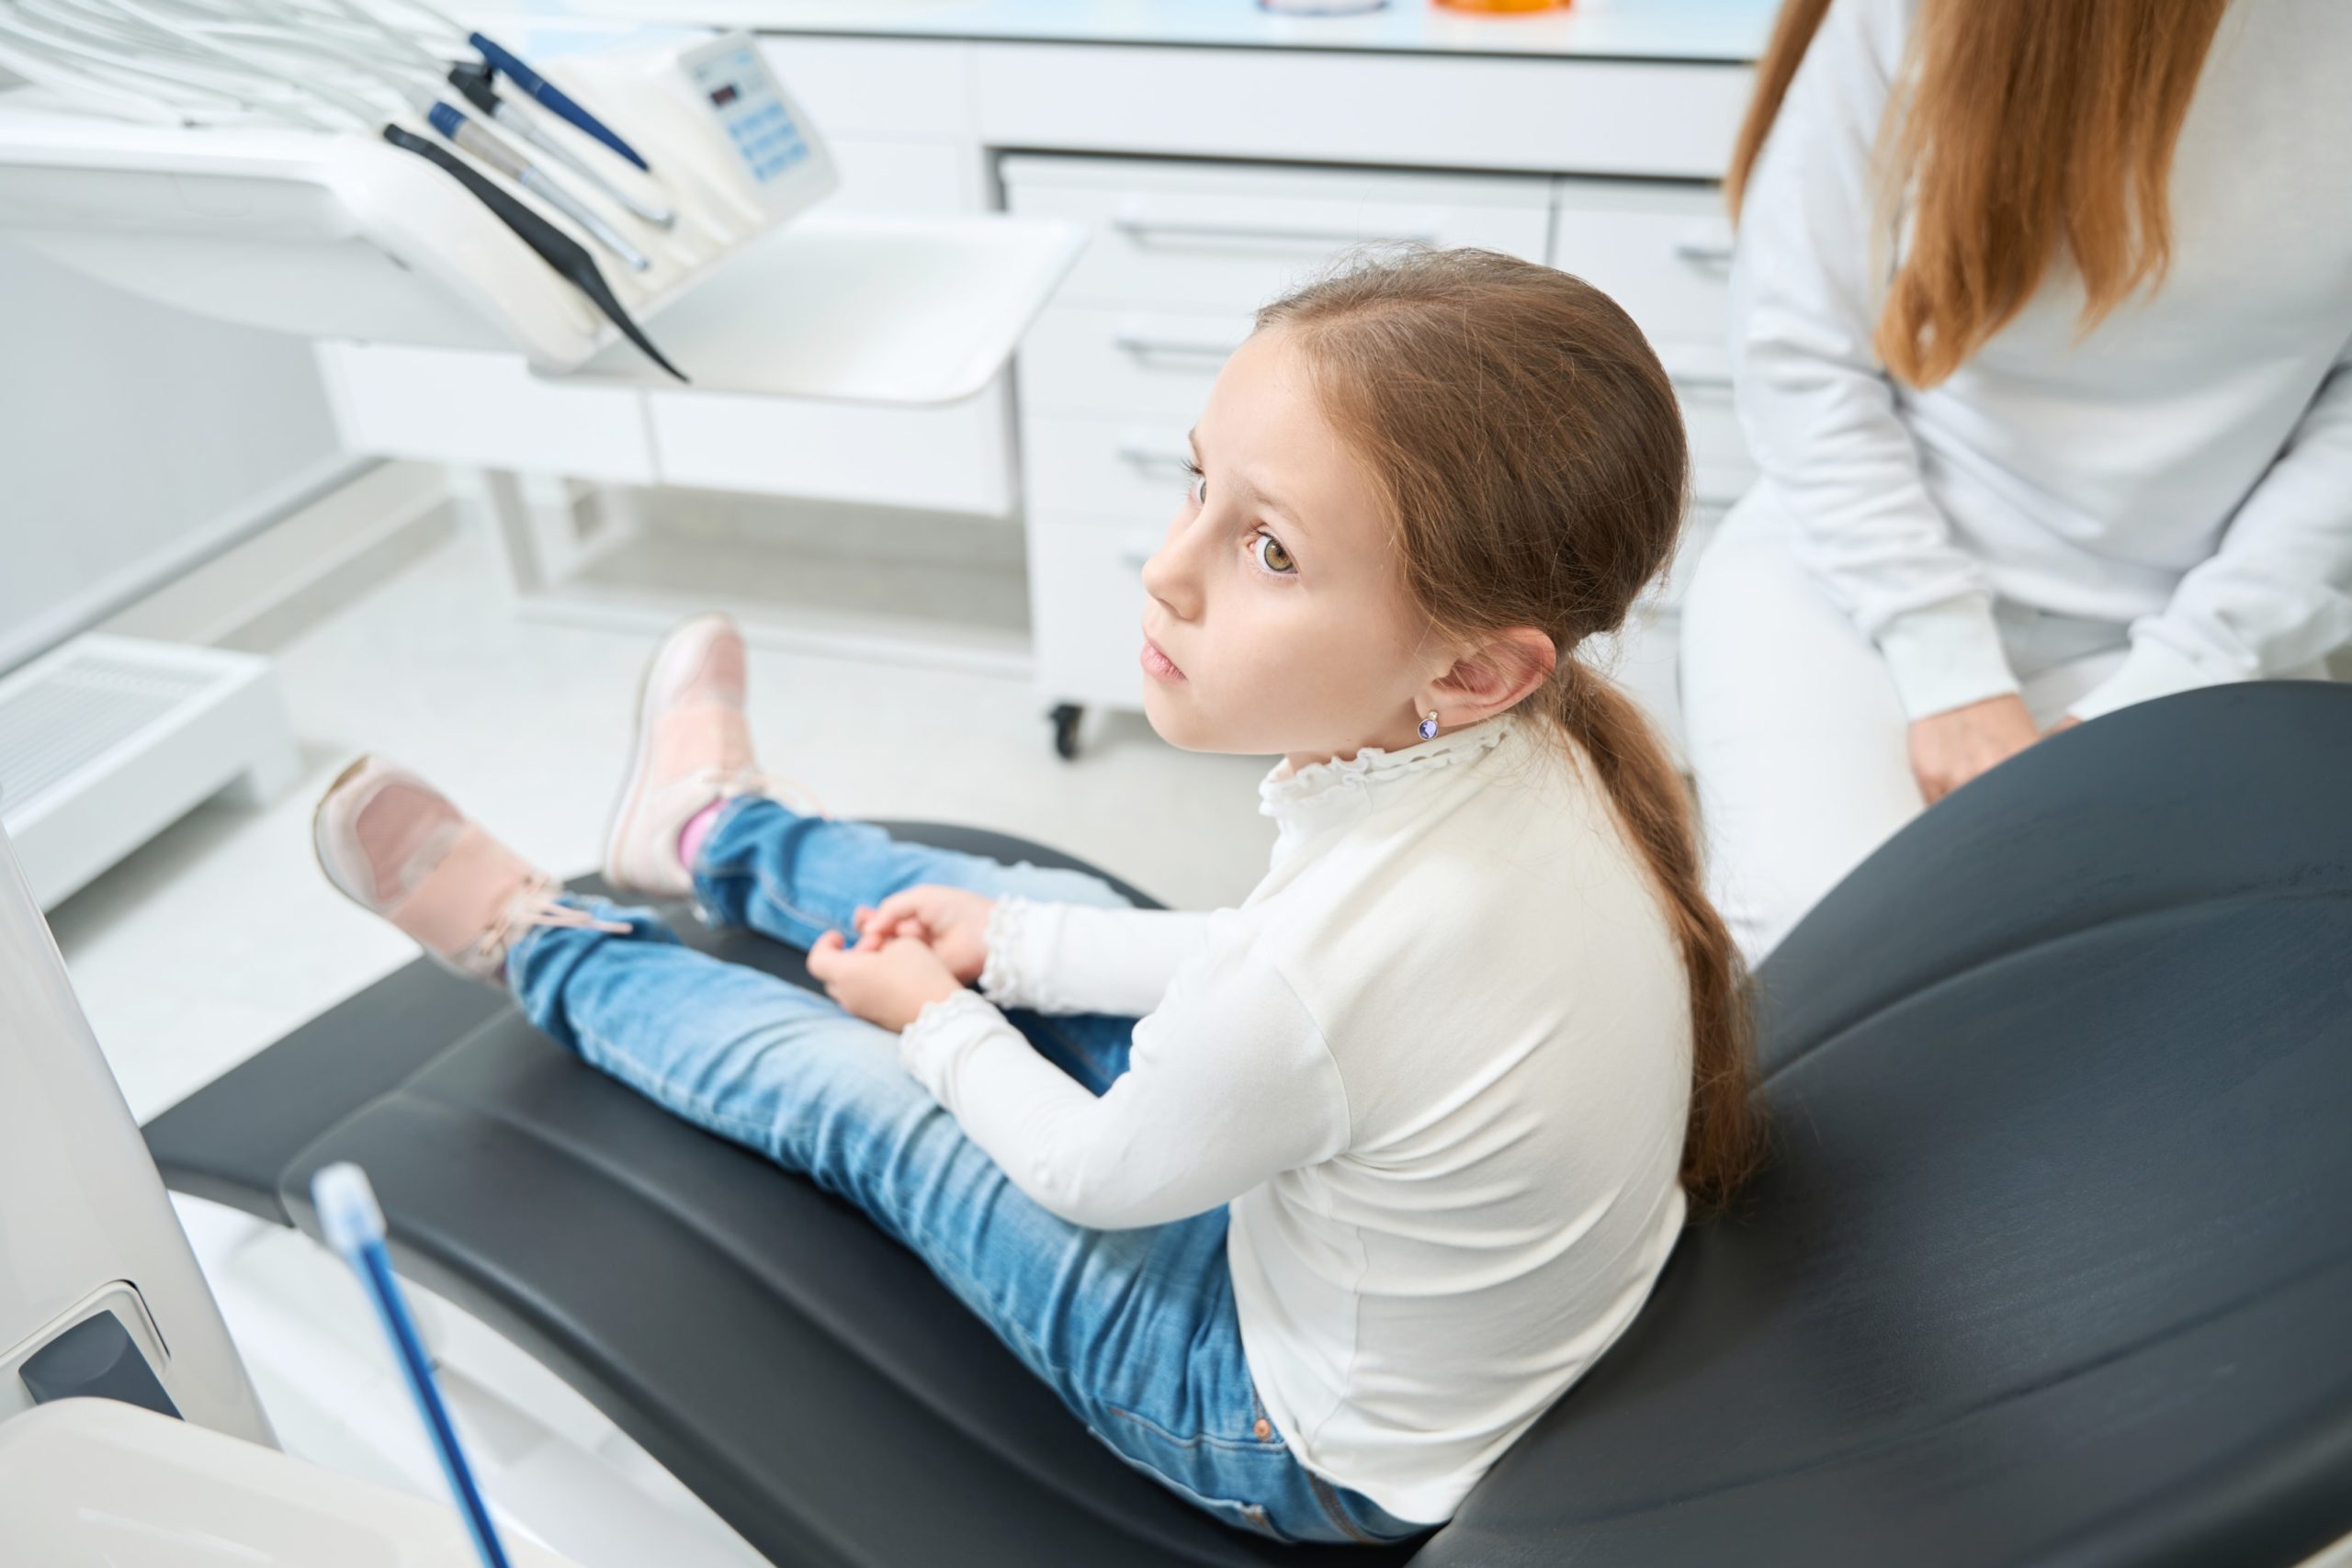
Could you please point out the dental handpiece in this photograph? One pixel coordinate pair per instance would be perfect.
(567, 256)
(532, 86)
(468, 137)
(473, 81)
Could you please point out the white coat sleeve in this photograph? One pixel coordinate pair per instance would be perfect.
(2277, 594)
(1227, 1085)
(1818, 406)
(1062, 958)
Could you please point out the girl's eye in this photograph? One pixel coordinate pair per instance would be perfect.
(1273, 556)
(1197, 489)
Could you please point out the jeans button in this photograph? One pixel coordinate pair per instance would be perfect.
(1264, 1429)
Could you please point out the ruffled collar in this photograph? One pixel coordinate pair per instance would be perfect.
(1283, 793)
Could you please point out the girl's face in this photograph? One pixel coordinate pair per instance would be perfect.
(1277, 617)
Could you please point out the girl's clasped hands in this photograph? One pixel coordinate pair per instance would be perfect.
(916, 947)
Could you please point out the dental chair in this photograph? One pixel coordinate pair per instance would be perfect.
(2052, 1263)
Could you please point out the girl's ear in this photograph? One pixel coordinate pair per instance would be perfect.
(1493, 675)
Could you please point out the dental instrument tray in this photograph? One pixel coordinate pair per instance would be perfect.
(616, 204)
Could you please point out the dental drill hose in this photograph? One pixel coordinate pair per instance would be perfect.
(468, 137)
(473, 82)
(570, 259)
(532, 86)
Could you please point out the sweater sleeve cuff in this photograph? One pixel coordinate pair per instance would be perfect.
(1946, 656)
(940, 1031)
(1009, 973)
(2151, 668)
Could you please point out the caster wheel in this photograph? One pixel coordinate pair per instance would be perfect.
(1066, 717)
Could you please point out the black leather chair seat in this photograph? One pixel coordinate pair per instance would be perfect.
(2053, 1263)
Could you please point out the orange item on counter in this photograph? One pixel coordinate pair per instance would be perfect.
(1501, 4)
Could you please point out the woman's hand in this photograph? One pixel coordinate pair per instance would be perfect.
(884, 980)
(1950, 749)
(952, 921)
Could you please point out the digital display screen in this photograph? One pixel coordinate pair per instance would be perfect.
(725, 96)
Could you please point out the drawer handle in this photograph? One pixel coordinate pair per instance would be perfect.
(1152, 459)
(1172, 347)
(1696, 369)
(1709, 255)
(1701, 380)
(1142, 231)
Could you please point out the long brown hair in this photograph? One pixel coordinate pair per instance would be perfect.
(2018, 126)
(1530, 450)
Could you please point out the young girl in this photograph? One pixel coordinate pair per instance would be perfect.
(1308, 1208)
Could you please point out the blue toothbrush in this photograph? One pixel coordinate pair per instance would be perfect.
(354, 1225)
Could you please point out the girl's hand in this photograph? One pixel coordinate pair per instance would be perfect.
(1950, 749)
(884, 980)
(952, 921)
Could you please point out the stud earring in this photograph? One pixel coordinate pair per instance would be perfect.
(1429, 727)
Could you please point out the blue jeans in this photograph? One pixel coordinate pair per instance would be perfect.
(1135, 1329)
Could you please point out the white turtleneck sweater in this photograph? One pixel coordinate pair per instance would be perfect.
(1438, 1065)
(2186, 467)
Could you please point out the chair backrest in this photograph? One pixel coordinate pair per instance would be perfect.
(2054, 1259)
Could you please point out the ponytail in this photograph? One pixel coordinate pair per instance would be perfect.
(1725, 1141)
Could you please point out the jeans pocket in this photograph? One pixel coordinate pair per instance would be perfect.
(1357, 1518)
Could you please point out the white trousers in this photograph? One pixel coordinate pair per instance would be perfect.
(1800, 748)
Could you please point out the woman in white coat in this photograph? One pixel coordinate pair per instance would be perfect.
(2041, 333)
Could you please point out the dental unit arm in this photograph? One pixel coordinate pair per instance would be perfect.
(359, 233)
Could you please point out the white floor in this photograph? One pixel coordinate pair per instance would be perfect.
(221, 935)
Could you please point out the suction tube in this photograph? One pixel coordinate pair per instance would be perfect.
(473, 81)
(353, 1224)
(559, 249)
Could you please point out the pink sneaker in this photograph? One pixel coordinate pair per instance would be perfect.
(693, 747)
(396, 846)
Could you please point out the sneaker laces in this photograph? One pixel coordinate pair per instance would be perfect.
(533, 906)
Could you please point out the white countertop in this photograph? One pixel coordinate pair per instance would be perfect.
(1731, 30)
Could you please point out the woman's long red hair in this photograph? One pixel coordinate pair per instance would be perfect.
(2018, 127)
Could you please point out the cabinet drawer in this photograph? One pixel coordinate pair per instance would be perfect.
(955, 458)
(1662, 250)
(447, 405)
(1232, 237)
(1128, 471)
(1720, 469)
(1084, 359)
(1086, 603)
